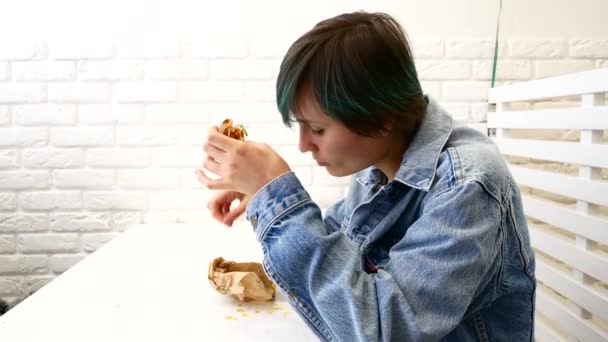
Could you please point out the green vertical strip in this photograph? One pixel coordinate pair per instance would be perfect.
(496, 44)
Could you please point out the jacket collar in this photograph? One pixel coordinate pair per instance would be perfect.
(419, 163)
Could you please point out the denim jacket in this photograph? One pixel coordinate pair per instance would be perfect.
(442, 252)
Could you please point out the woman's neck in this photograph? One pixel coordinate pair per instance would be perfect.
(393, 157)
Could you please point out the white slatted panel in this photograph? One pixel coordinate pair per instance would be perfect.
(566, 185)
(545, 333)
(572, 242)
(567, 252)
(586, 118)
(554, 309)
(595, 155)
(587, 82)
(584, 295)
(572, 220)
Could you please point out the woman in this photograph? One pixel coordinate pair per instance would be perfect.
(430, 242)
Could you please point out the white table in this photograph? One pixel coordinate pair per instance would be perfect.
(150, 284)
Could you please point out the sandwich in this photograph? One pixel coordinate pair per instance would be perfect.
(228, 129)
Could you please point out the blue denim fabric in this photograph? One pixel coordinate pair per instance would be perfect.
(440, 253)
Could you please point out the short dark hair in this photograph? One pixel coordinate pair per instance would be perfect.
(361, 70)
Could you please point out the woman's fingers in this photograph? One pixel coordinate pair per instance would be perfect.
(226, 208)
(234, 213)
(214, 152)
(216, 212)
(212, 184)
(220, 202)
(221, 205)
(213, 166)
(215, 207)
(220, 141)
(217, 145)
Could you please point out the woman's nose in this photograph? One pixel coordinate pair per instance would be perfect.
(305, 144)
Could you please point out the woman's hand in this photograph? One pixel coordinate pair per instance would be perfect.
(243, 167)
(220, 205)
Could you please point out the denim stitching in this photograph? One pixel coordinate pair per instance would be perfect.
(299, 305)
(283, 213)
(480, 327)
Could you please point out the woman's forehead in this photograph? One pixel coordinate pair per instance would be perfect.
(307, 109)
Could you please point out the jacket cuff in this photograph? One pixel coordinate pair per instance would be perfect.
(274, 199)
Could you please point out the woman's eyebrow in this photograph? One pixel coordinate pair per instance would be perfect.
(305, 121)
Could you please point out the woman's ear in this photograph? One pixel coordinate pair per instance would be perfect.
(387, 128)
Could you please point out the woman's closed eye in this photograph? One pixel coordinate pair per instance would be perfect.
(314, 130)
(317, 131)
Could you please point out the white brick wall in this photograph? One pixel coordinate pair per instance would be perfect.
(79, 92)
(43, 71)
(50, 200)
(538, 49)
(16, 264)
(22, 50)
(44, 114)
(60, 263)
(113, 70)
(80, 222)
(7, 244)
(48, 243)
(30, 92)
(82, 49)
(97, 135)
(4, 115)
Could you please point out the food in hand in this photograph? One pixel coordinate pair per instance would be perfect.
(233, 131)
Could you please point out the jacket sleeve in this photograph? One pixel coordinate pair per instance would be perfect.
(421, 294)
(335, 214)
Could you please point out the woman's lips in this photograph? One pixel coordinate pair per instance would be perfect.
(320, 163)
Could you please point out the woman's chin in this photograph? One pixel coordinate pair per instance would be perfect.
(335, 171)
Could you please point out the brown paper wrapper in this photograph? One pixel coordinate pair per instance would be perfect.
(244, 280)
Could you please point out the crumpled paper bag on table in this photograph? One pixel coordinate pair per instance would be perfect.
(244, 280)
